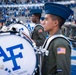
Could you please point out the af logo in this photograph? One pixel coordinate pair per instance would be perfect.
(12, 56)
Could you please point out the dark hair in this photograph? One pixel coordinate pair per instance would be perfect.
(60, 20)
(38, 15)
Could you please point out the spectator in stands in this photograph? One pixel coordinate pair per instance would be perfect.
(2, 21)
(6, 1)
(51, 0)
(1, 1)
(27, 1)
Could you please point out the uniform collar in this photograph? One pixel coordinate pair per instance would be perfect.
(58, 32)
(37, 23)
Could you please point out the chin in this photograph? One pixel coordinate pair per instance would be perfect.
(45, 29)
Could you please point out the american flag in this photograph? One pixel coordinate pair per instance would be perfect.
(40, 30)
(61, 50)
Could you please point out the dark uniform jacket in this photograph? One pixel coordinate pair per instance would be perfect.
(38, 35)
(58, 62)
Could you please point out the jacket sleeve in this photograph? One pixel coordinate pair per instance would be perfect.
(41, 35)
(62, 52)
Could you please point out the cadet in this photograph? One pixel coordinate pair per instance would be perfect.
(38, 34)
(58, 60)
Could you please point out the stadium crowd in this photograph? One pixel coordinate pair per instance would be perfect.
(27, 1)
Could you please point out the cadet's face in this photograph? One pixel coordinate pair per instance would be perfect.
(33, 18)
(48, 23)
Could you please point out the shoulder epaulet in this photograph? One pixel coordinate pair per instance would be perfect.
(38, 25)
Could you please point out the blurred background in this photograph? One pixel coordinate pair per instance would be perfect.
(20, 9)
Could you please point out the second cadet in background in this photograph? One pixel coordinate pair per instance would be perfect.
(38, 34)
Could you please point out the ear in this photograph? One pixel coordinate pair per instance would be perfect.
(56, 22)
